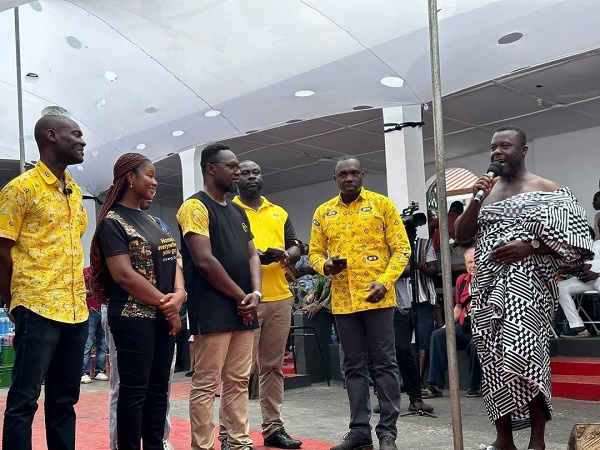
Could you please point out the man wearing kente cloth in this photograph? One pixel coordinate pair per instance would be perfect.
(524, 229)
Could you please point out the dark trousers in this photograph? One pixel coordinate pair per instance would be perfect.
(362, 334)
(407, 365)
(144, 355)
(46, 349)
(438, 357)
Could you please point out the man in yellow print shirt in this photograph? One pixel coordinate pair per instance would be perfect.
(41, 280)
(358, 237)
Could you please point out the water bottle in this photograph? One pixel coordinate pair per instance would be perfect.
(334, 336)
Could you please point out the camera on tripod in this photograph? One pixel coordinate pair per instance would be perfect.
(411, 220)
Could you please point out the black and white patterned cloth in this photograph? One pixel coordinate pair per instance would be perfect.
(513, 304)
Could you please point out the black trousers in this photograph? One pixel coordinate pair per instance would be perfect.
(144, 355)
(407, 365)
(52, 350)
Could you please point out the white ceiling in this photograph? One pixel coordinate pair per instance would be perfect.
(246, 60)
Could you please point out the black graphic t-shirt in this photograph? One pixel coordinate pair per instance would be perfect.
(153, 254)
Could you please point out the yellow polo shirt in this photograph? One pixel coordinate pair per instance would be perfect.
(46, 226)
(268, 226)
(370, 234)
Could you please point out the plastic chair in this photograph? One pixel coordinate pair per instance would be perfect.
(578, 299)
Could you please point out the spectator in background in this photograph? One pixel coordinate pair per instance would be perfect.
(95, 335)
(41, 281)
(456, 209)
(438, 364)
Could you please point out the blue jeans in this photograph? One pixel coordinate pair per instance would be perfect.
(46, 349)
(95, 334)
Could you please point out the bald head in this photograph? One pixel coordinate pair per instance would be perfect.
(50, 123)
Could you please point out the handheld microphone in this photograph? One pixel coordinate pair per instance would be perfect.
(493, 171)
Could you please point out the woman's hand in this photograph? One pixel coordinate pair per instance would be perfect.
(171, 303)
(175, 323)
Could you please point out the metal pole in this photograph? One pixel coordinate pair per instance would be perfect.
(19, 92)
(438, 133)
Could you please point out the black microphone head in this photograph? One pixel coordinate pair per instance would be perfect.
(495, 168)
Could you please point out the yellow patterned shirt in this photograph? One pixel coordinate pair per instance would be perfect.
(370, 234)
(46, 226)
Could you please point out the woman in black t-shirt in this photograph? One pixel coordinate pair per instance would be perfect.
(134, 264)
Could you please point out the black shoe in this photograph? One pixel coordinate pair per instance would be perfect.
(387, 442)
(353, 442)
(280, 439)
(473, 393)
(420, 405)
(377, 409)
(224, 444)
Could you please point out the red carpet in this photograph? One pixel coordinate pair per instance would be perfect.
(576, 377)
(92, 424)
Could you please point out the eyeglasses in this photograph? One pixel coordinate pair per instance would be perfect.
(231, 166)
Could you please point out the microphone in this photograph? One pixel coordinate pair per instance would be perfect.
(493, 171)
(68, 191)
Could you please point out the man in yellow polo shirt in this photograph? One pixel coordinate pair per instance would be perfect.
(272, 228)
(41, 281)
(358, 237)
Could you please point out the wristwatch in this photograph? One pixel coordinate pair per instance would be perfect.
(260, 296)
(535, 244)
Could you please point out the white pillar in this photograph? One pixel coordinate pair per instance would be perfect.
(405, 166)
(86, 240)
(191, 172)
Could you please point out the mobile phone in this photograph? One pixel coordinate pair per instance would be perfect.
(274, 251)
(339, 261)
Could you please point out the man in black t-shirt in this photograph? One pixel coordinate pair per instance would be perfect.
(223, 277)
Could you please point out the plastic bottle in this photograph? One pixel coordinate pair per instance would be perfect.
(334, 336)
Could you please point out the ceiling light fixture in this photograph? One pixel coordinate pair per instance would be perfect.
(294, 121)
(177, 133)
(151, 109)
(510, 38)
(32, 77)
(100, 103)
(35, 5)
(140, 146)
(394, 82)
(251, 131)
(212, 113)
(95, 153)
(110, 76)
(80, 167)
(362, 107)
(304, 93)
(74, 42)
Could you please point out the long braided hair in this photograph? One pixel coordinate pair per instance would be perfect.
(128, 162)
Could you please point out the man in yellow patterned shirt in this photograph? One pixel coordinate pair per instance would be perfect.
(41, 281)
(358, 237)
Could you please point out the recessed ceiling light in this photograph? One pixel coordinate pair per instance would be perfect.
(361, 107)
(304, 93)
(151, 110)
(35, 5)
(100, 103)
(32, 77)
(510, 38)
(294, 121)
(212, 113)
(392, 82)
(74, 42)
(95, 153)
(140, 146)
(80, 167)
(110, 76)
(178, 133)
(251, 131)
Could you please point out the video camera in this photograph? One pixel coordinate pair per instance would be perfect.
(411, 220)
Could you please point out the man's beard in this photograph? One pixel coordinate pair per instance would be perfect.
(233, 189)
(252, 191)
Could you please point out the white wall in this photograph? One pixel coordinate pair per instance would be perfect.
(301, 203)
(570, 159)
